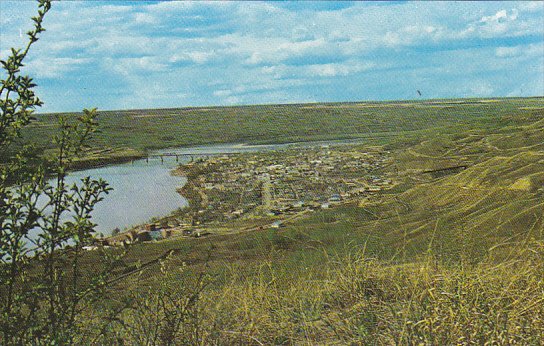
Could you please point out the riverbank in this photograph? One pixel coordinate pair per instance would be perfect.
(276, 183)
(252, 191)
(427, 259)
(105, 157)
(100, 158)
(143, 131)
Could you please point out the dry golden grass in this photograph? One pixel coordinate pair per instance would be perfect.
(351, 299)
(450, 260)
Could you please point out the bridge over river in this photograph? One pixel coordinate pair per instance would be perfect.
(177, 156)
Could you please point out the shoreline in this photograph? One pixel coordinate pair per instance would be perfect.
(91, 163)
(233, 193)
(85, 164)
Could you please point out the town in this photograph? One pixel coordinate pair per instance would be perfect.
(268, 186)
(281, 182)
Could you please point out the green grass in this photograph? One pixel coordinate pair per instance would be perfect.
(125, 134)
(455, 259)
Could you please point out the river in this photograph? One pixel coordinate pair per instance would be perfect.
(145, 189)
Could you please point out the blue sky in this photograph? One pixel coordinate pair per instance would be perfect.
(123, 55)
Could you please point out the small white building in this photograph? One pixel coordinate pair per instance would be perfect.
(277, 224)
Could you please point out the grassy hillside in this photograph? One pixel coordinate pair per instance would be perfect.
(128, 134)
(450, 258)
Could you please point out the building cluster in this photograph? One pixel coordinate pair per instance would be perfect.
(271, 184)
(150, 232)
(284, 182)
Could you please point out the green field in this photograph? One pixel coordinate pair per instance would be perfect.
(128, 134)
(450, 259)
(455, 258)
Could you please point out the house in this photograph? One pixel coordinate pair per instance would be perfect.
(314, 205)
(335, 198)
(277, 224)
(208, 186)
(238, 213)
(120, 239)
(298, 204)
(166, 233)
(357, 191)
(144, 236)
(199, 234)
(150, 227)
(156, 235)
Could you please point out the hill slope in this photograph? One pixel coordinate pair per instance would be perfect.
(129, 134)
(453, 254)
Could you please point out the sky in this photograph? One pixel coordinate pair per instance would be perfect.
(134, 55)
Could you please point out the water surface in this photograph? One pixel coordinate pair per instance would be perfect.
(141, 190)
(145, 189)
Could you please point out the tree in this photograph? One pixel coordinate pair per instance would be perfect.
(43, 225)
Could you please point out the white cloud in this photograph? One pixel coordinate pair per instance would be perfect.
(531, 6)
(318, 70)
(254, 50)
(480, 88)
(145, 18)
(500, 16)
(166, 7)
(53, 67)
(343, 69)
(529, 51)
(197, 57)
(508, 51)
(499, 23)
(275, 50)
